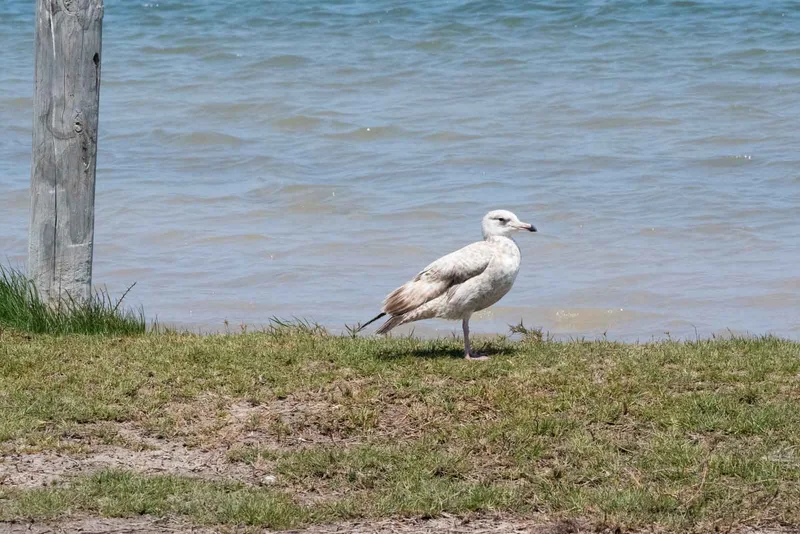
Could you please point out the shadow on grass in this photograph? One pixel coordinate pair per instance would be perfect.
(491, 352)
(438, 352)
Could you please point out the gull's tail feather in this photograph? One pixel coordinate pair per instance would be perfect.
(391, 323)
(360, 328)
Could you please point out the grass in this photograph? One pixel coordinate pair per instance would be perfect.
(697, 435)
(21, 308)
(123, 494)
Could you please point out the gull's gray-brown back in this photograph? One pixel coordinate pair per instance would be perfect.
(452, 269)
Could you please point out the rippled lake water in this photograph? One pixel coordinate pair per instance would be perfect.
(303, 159)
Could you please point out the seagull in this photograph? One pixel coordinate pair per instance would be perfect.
(465, 281)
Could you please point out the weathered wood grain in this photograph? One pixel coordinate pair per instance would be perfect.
(65, 117)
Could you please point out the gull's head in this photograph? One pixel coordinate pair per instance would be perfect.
(503, 223)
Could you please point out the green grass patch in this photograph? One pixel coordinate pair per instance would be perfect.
(22, 308)
(674, 435)
(113, 493)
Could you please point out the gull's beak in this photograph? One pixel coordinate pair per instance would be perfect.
(526, 226)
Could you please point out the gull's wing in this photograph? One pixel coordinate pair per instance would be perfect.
(455, 268)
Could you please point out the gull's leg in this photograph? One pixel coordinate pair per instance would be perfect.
(468, 354)
(467, 348)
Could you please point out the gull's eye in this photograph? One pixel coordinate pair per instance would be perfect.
(502, 220)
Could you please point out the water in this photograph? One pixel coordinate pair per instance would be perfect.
(306, 158)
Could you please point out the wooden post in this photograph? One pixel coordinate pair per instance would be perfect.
(65, 107)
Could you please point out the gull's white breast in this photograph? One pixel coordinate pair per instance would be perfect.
(487, 288)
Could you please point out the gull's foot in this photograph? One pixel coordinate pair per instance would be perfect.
(475, 356)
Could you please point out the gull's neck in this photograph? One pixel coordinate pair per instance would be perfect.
(493, 238)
